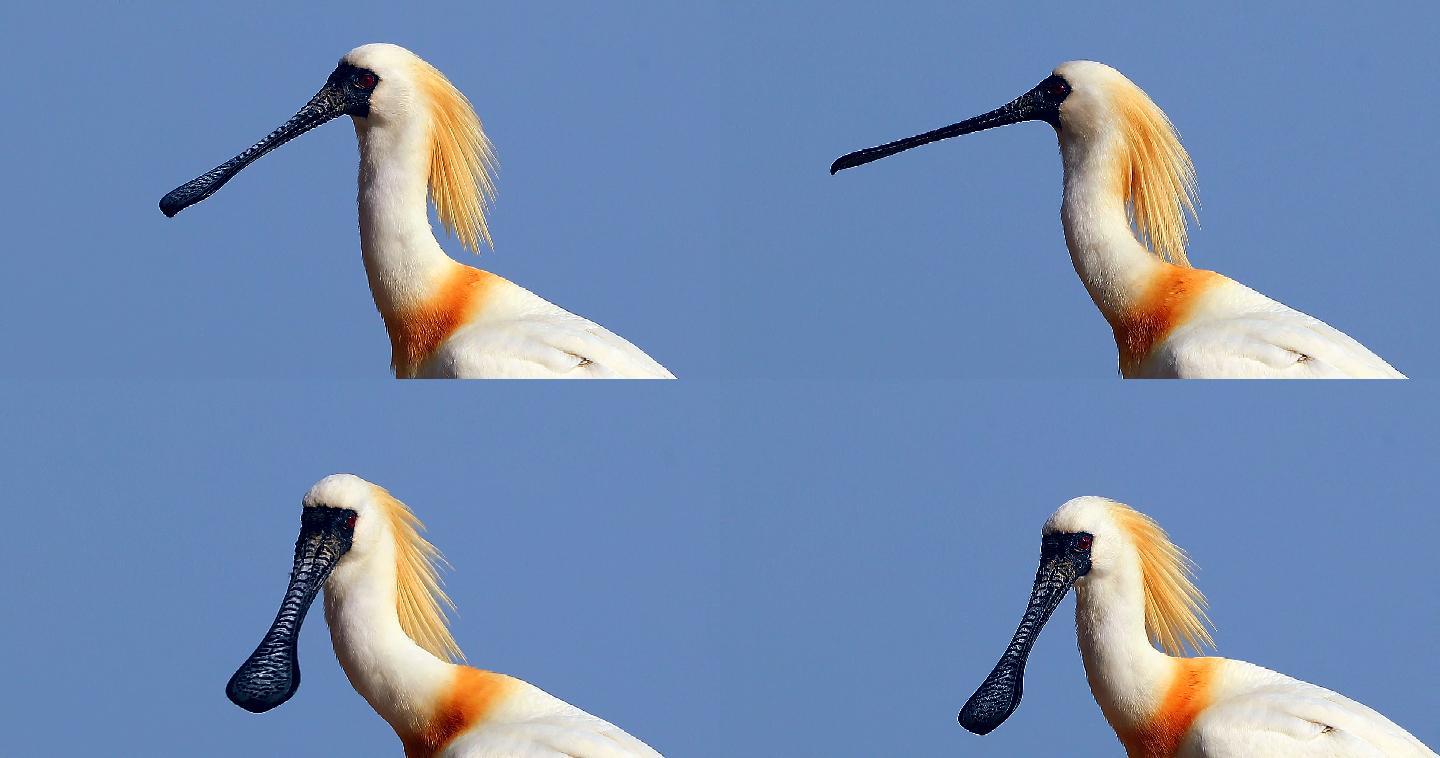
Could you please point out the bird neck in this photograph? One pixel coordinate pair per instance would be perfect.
(1127, 675)
(1142, 297)
(1114, 266)
(422, 294)
(399, 679)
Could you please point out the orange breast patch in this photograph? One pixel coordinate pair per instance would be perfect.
(1189, 693)
(1166, 303)
(417, 331)
(472, 695)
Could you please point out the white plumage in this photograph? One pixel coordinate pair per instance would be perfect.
(1235, 332)
(1170, 320)
(1258, 712)
(532, 723)
(386, 612)
(421, 140)
(519, 335)
(1133, 592)
(447, 320)
(1128, 185)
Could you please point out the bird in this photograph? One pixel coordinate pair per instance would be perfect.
(384, 605)
(419, 136)
(1128, 185)
(1134, 589)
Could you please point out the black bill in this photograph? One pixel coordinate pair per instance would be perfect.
(1039, 104)
(343, 94)
(271, 674)
(1061, 563)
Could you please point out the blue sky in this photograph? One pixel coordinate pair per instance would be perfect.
(821, 542)
(664, 173)
(733, 569)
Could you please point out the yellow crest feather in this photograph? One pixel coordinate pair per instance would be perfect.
(462, 161)
(419, 598)
(1157, 177)
(1174, 608)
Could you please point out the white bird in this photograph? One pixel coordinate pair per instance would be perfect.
(419, 135)
(1133, 590)
(383, 603)
(1128, 186)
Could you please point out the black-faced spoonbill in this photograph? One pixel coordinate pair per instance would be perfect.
(1128, 185)
(419, 136)
(383, 603)
(1133, 589)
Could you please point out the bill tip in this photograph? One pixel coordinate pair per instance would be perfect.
(169, 206)
(975, 726)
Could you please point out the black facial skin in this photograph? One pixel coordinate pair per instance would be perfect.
(272, 673)
(1039, 104)
(346, 93)
(1064, 558)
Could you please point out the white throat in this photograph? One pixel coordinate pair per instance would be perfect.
(1111, 262)
(397, 677)
(1126, 673)
(403, 261)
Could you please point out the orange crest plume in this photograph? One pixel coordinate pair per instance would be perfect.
(1174, 608)
(1157, 176)
(462, 160)
(419, 598)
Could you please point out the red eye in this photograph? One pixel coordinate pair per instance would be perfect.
(1057, 89)
(366, 80)
(350, 521)
(1085, 541)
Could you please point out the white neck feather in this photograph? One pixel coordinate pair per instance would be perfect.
(1126, 673)
(399, 679)
(1111, 262)
(403, 261)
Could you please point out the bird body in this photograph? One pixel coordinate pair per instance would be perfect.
(482, 325)
(1134, 591)
(383, 605)
(1227, 330)
(1124, 169)
(456, 322)
(445, 319)
(1128, 184)
(1164, 706)
(1255, 711)
(420, 140)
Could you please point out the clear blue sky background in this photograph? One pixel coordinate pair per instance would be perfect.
(779, 566)
(748, 569)
(664, 171)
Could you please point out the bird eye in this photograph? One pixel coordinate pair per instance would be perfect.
(1057, 88)
(350, 521)
(1085, 541)
(366, 80)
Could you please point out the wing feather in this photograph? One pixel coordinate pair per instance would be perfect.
(522, 336)
(1262, 339)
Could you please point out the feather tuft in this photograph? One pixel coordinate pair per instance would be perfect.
(1175, 615)
(419, 598)
(1157, 177)
(462, 161)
